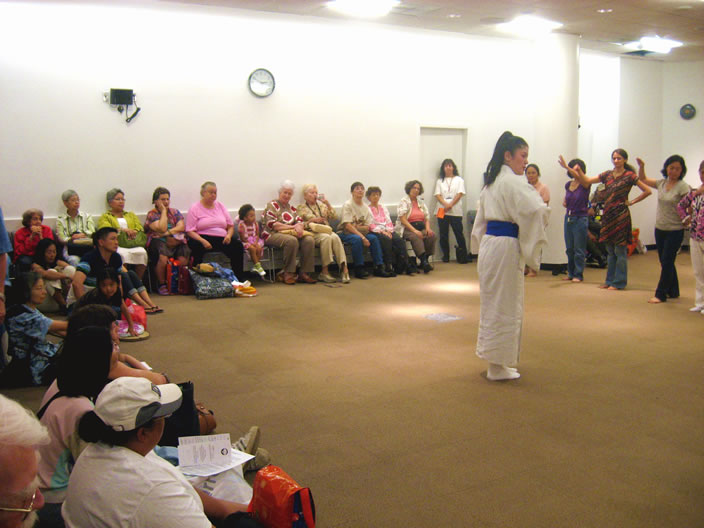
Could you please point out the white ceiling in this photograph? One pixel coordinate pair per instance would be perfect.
(629, 20)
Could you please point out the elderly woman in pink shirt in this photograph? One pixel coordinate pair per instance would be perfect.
(393, 246)
(209, 227)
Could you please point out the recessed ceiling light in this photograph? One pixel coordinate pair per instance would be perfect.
(655, 44)
(528, 25)
(608, 10)
(363, 8)
(454, 15)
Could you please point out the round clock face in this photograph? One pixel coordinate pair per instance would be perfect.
(261, 82)
(687, 111)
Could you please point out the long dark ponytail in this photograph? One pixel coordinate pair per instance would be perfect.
(507, 143)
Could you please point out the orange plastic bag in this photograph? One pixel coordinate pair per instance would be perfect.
(279, 502)
(634, 242)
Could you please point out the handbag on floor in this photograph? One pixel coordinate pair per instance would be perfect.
(186, 421)
(211, 287)
(279, 502)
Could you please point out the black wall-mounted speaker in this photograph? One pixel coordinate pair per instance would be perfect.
(120, 96)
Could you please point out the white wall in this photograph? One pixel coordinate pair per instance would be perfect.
(684, 83)
(640, 131)
(599, 101)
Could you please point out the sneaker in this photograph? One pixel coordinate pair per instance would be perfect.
(261, 459)
(249, 443)
(346, 277)
(258, 268)
(697, 309)
(326, 277)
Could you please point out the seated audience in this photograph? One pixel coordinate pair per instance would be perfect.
(131, 237)
(83, 368)
(248, 231)
(105, 255)
(316, 211)
(107, 293)
(56, 273)
(166, 237)
(210, 228)
(20, 435)
(27, 238)
(73, 227)
(284, 229)
(119, 480)
(413, 224)
(393, 246)
(27, 329)
(354, 230)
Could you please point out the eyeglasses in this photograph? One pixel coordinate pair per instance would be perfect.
(23, 510)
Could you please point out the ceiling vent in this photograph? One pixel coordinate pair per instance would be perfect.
(639, 53)
(413, 10)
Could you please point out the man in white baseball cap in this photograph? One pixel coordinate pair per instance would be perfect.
(119, 481)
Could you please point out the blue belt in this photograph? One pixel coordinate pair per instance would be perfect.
(499, 228)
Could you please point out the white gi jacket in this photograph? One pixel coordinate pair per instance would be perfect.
(502, 259)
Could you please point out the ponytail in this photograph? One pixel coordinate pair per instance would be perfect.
(507, 143)
(92, 429)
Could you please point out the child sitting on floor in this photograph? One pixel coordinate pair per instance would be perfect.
(108, 293)
(248, 229)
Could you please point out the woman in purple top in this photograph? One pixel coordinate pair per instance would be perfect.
(576, 203)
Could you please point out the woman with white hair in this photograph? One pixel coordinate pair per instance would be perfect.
(284, 229)
(131, 237)
(317, 212)
(20, 435)
(209, 227)
(75, 228)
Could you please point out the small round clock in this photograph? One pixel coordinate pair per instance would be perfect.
(687, 111)
(261, 82)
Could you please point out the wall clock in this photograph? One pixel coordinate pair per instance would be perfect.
(261, 82)
(687, 111)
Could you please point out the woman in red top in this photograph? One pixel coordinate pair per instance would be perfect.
(27, 237)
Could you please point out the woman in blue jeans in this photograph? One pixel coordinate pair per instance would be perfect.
(576, 203)
(354, 230)
(669, 230)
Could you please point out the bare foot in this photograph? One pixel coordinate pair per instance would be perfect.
(566, 278)
(576, 280)
(531, 273)
(604, 286)
(612, 288)
(654, 300)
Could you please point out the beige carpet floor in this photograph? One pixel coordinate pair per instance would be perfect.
(388, 417)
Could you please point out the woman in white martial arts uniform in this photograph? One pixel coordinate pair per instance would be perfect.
(510, 232)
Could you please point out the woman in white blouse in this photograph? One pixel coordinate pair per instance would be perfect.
(449, 191)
